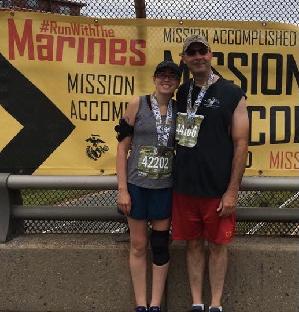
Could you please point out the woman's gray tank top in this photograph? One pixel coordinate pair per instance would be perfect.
(145, 134)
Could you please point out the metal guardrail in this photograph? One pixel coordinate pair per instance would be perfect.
(110, 182)
(65, 213)
(11, 208)
(270, 184)
(17, 182)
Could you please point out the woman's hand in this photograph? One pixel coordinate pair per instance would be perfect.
(124, 201)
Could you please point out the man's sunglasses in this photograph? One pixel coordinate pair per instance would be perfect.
(193, 52)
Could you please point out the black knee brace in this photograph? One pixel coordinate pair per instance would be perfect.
(160, 247)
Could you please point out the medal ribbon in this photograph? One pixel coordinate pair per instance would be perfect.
(163, 129)
(191, 110)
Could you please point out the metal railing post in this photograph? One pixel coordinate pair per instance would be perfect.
(140, 9)
(4, 207)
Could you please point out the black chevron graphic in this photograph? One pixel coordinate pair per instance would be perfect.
(45, 127)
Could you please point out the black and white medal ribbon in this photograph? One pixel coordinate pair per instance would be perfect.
(163, 129)
(191, 110)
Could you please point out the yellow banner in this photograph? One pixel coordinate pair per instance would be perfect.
(65, 82)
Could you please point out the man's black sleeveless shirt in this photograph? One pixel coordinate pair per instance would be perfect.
(204, 170)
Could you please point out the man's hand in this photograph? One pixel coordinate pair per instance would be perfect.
(124, 201)
(228, 203)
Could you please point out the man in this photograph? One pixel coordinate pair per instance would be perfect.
(212, 134)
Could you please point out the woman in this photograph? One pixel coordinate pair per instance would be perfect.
(145, 180)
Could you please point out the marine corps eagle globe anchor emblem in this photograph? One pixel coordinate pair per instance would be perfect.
(94, 150)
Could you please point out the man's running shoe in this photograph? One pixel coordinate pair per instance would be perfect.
(154, 309)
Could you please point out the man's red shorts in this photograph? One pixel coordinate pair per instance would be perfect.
(196, 217)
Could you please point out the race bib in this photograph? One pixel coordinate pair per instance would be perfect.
(187, 132)
(155, 162)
